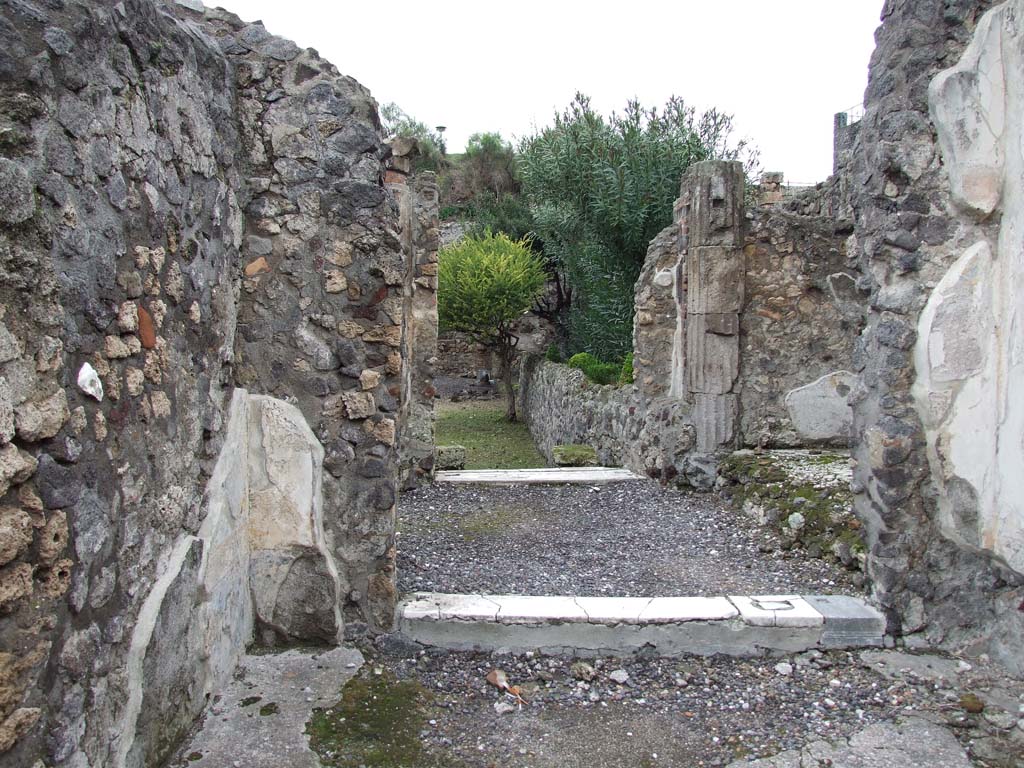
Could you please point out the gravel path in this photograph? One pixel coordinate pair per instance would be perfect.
(686, 713)
(624, 539)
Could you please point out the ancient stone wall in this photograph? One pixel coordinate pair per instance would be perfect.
(189, 206)
(937, 172)
(798, 309)
(459, 356)
(743, 336)
(800, 319)
(419, 203)
(845, 127)
(651, 437)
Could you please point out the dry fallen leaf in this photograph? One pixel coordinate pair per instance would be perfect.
(497, 678)
(517, 693)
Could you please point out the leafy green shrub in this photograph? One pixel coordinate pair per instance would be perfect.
(594, 369)
(600, 189)
(449, 212)
(396, 122)
(626, 375)
(484, 284)
(489, 166)
(552, 355)
(508, 213)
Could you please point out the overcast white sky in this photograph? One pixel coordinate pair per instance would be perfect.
(781, 67)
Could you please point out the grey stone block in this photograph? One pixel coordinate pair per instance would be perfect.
(715, 282)
(450, 457)
(712, 353)
(849, 621)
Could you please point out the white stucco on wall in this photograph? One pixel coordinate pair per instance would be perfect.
(969, 354)
(263, 512)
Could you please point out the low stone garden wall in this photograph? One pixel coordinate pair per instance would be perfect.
(561, 406)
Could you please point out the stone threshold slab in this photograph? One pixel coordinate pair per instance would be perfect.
(621, 626)
(540, 476)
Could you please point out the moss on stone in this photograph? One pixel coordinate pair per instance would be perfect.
(574, 456)
(762, 479)
(249, 701)
(269, 709)
(376, 724)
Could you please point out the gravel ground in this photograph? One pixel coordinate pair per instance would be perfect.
(622, 539)
(685, 712)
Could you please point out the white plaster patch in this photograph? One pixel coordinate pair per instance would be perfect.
(142, 634)
(969, 389)
(819, 410)
(968, 106)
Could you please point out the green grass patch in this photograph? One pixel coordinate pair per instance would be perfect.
(489, 440)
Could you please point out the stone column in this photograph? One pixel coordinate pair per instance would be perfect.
(711, 221)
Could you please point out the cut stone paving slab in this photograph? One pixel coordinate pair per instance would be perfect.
(663, 610)
(777, 611)
(895, 664)
(259, 721)
(540, 476)
(467, 608)
(912, 743)
(740, 626)
(524, 609)
(612, 610)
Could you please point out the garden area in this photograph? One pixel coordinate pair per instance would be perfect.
(551, 234)
(491, 440)
(556, 227)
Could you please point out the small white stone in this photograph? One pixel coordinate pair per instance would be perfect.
(795, 521)
(784, 668)
(503, 707)
(89, 381)
(619, 676)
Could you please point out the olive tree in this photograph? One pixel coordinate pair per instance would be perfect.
(485, 283)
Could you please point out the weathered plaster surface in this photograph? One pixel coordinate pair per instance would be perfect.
(969, 354)
(936, 198)
(262, 530)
